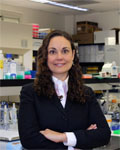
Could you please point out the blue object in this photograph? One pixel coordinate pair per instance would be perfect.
(116, 127)
(14, 145)
(33, 73)
(8, 55)
(13, 76)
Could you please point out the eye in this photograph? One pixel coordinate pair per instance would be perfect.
(52, 51)
(65, 51)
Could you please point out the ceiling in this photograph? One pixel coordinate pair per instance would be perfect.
(92, 5)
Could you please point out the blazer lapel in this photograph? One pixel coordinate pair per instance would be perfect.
(56, 101)
(68, 105)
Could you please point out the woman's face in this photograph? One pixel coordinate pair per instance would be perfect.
(60, 57)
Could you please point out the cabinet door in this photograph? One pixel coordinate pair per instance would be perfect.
(15, 36)
(37, 43)
(99, 37)
(112, 53)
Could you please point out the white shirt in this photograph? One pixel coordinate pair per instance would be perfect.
(61, 88)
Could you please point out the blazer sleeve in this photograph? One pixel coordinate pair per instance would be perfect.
(28, 126)
(87, 139)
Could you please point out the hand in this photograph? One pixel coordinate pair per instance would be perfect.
(54, 136)
(92, 126)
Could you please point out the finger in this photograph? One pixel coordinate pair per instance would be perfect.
(95, 126)
(42, 132)
(89, 128)
(92, 126)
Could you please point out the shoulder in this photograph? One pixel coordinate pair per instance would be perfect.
(88, 90)
(27, 93)
(89, 94)
(27, 88)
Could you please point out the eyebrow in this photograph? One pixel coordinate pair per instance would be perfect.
(55, 48)
(52, 48)
(66, 47)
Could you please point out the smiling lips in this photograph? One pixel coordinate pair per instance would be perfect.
(59, 65)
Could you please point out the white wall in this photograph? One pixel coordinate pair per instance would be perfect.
(105, 20)
(70, 24)
(44, 19)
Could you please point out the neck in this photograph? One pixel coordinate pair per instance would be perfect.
(61, 77)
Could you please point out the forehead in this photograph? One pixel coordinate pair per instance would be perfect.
(59, 40)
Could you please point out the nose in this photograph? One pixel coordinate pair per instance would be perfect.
(59, 55)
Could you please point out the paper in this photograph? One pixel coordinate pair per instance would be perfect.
(9, 135)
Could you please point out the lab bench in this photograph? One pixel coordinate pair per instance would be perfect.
(114, 144)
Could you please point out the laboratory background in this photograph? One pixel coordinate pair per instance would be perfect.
(95, 28)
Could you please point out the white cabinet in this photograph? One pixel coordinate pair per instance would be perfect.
(15, 36)
(17, 39)
(100, 36)
(112, 53)
(37, 43)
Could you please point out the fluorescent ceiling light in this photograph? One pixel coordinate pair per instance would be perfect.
(40, 1)
(60, 4)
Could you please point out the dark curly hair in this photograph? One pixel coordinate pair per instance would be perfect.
(43, 83)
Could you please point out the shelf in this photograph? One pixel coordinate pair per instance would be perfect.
(104, 80)
(21, 82)
(86, 65)
(13, 87)
(91, 44)
(91, 63)
(38, 38)
(15, 82)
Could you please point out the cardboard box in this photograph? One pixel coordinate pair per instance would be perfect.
(86, 27)
(84, 38)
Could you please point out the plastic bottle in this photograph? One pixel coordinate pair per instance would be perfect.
(20, 71)
(9, 67)
(6, 117)
(14, 114)
(6, 70)
(14, 117)
(13, 68)
(114, 72)
(1, 64)
(0, 116)
(2, 112)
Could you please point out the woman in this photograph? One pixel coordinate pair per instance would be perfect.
(58, 111)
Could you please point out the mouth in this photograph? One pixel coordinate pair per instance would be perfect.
(59, 65)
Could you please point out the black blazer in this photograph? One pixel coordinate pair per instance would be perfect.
(39, 112)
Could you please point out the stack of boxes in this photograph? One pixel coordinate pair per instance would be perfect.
(88, 52)
(85, 32)
(40, 33)
(35, 28)
(86, 27)
(43, 32)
